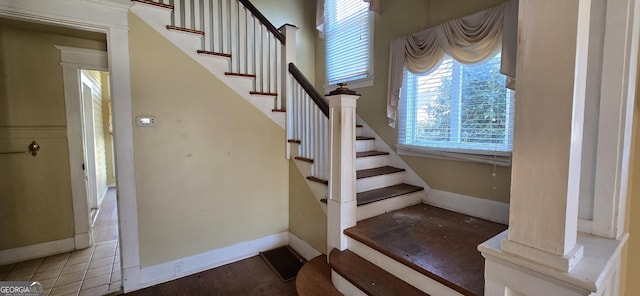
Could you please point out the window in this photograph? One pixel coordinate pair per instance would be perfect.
(457, 108)
(348, 41)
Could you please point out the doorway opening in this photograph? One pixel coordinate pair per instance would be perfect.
(98, 154)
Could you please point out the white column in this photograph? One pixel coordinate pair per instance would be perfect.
(288, 56)
(341, 205)
(548, 133)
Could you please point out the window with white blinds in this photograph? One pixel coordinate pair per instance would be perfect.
(347, 34)
(458, 108)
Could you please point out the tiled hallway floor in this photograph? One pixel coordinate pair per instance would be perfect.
(91, 271)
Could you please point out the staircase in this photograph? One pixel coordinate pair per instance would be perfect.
(399, 245)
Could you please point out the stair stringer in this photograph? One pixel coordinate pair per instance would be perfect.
(410, 176)
(469, 205)
(320, 191)
(159, 17)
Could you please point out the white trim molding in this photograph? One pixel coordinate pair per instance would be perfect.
(73, 60)
(473, 206)
(110, 17)
(176, 269)
(302, 247)
(36, 251)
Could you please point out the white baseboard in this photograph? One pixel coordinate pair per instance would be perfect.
(303, 248)
(478, 207)
(36, 251)
(176, 269)
(82, 240)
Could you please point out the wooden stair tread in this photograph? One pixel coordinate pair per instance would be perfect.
(438, 243)
(260, 93)
(369, 278)
(226, 55)
(363, 138)
(371, 196)
(279, 110)
(240, 74)
(318, 180)
(309, 160)
(370, 153)
(168, 6)
(314, 279)
(377, 172)
(187, 30)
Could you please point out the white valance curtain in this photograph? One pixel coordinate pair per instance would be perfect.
(374, 5)
(471, 39)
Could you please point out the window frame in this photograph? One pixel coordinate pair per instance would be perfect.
(489, 156)
(356, 83)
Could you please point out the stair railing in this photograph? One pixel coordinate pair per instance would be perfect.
(308, 121)
(238, 29)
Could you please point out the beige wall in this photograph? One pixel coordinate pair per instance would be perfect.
(35, 192)
(398, 18)
(106, 116)
(630, 286)
(302, 15)
(307, 220)
(213, 171)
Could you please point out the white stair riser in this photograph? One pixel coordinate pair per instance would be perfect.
(344, 286)
(365, 145)
(358, 131)
(389, 204)
(401, 271)
(363, 163)
(366, 184)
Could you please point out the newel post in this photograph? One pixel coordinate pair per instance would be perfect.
(341, 204)
(288, 56)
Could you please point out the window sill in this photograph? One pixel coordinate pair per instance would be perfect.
(502, 159)
(355, 84)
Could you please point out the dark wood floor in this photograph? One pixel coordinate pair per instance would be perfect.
(438, 243)
(248, 277)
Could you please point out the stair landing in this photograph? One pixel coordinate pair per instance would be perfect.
(438, 243)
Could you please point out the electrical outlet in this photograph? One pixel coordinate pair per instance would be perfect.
(178, 268)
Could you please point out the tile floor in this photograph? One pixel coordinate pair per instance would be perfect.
(91, 271)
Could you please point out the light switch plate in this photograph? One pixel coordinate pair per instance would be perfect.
(145, 120)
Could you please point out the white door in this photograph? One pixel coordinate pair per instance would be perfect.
(89, 147)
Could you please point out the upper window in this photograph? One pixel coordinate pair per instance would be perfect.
(457, 108)
(348, 41)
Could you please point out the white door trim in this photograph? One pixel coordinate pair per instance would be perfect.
(73, 60)
(110, 17)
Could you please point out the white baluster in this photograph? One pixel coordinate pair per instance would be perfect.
(250, 43)
(273, 54)
(224, 26)
(257, 45)
(215, 26)
(178, 12)
(197, 16)
(242, 39)
(208, 26)
(265, 59)
(278, 77)
(233, 27)
(187, 21)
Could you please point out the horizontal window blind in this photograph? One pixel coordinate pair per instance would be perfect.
(459, 107)
(347, 35)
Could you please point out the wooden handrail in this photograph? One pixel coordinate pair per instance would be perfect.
(263, 20)
(317, 98)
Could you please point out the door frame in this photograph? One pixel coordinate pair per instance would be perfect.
(110, 17)
(73, 61)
